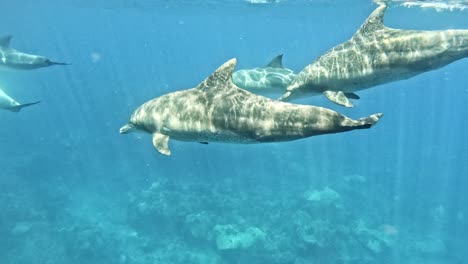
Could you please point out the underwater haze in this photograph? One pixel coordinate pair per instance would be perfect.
(73, 190)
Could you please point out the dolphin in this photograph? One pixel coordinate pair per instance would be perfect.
(376, 55)
(219, 111)
(14, 59)
(269, 80)
(8, 103)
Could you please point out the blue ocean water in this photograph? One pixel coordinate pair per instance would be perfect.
(73, 190)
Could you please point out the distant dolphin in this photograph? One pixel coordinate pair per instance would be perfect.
(219, 111)
(14, 59)
(8, 103)
(376, 55)
(269, 80)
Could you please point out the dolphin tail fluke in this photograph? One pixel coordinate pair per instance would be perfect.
(58, 63)
(18, 108)
(370, 121)
(352, 96)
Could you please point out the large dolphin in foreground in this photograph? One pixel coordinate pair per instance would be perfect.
(376, 55)
(8, 103)
(219, 111)
(14, 59)
(270, 80)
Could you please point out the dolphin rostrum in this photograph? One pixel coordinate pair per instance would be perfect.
(8, 103)
(376, 55)
(269, 80)
(219, 111)
(14, 59)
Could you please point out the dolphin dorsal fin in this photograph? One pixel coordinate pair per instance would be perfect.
(374, 22)
(5, 41)
(221, 78)
(276, 62)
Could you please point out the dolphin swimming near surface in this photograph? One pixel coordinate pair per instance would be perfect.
(219, 111)
(8, 103)
(14, 59)
(376, 55)
(269, 80)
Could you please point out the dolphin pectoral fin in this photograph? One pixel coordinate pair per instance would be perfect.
(352, 96)
(5, 41)
(160, 142)
(338, 98)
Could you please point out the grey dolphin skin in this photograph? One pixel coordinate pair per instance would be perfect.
(14, 59)
(376, 55)
(219, 111)
(269, 80)
(8, 103)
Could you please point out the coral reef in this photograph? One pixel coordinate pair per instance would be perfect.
(230, 237)
(223, 222)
